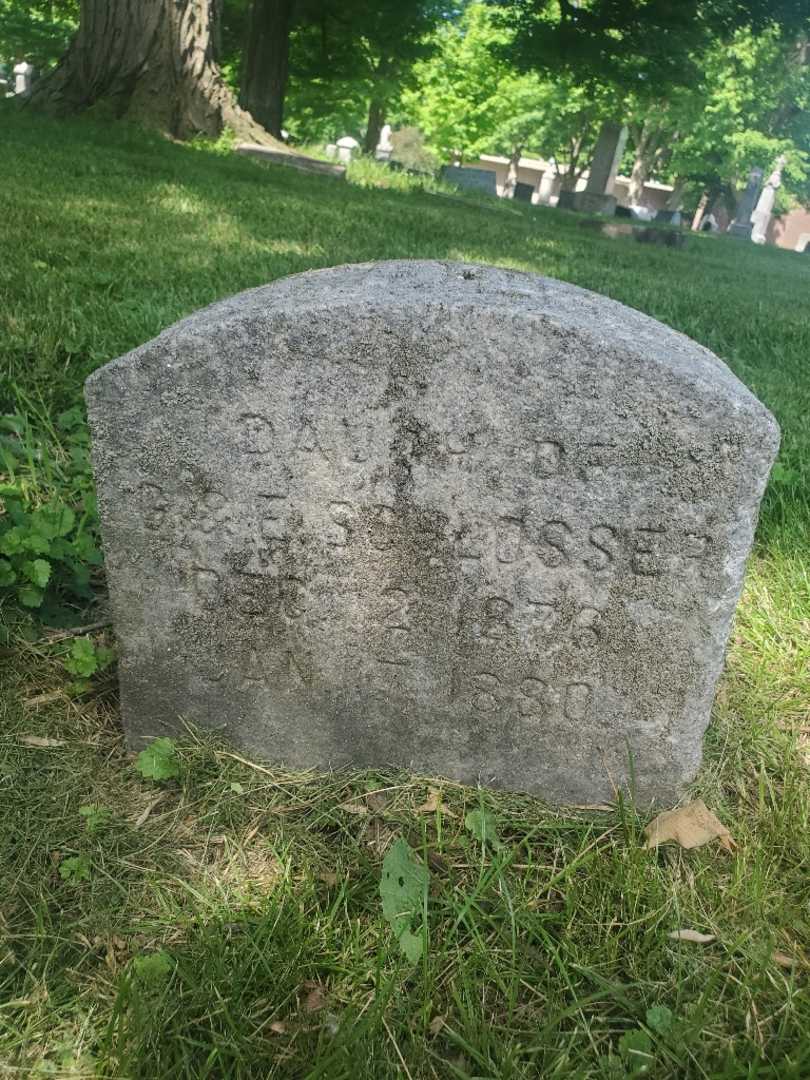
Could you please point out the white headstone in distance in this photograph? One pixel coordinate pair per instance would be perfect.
(384, 146)
(761, 216)
(23, 78)
(345, 149)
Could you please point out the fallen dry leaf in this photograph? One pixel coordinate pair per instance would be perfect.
(279, 1027)
(43, 699)
(783, 960)
(692, 935)
(144, 814)
(436, 1025)
(315, 999)
(328, 876)
(434, 803)
(690, 826)
(40, 740)
(353, 808)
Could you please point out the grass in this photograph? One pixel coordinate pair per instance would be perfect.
(228, 923)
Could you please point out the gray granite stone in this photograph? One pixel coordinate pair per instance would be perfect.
(472, 522)
(469, 179)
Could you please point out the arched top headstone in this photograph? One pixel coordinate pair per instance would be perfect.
(442, 516)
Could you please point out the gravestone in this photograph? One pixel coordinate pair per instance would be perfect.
(761, 216)
(566, 200)
(23, 79)
(346, 148)
(598, 197)
(470, 179)
(464, 520)
(668, 217)
(741, 225)
(384, 147)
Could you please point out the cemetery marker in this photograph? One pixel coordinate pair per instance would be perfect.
(462, 520)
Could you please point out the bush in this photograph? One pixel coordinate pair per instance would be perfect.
(49, 541)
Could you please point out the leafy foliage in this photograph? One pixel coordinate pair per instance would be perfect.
(482, 824)
(159, 760)
(75, 868)
(470, 99)
(403, 888)
(38, 30)
(153, 968)
(48, 518)
(85, 658)
(95, 817)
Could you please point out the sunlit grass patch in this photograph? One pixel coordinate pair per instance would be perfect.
(227, 920)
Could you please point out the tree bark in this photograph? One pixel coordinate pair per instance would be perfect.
(639, 175)
(676, 195)
(267, 62)
(151, 61)
(376, 119)
(512, 173)
(700, 211)
(646, 148)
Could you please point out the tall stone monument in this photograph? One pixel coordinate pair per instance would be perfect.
(598, 197)
(467, 521)
(761, 217)
(741, 225)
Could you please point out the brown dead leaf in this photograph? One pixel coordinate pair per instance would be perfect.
(690, 826)
(692, 935)
(315, 999)
(40, 740)
(434, 803)
(278, 1027)
(353, 808)
(328, 877)
(436, 1025)
(783, 960)
(144, 814)
(43, 699)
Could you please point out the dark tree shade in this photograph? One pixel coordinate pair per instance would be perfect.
(151, 60)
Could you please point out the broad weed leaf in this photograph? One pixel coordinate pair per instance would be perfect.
(75, 868)
(481, 823)
(82, 659)
(159, 760)
(659, 1019)
(153, 968)
(403, 888)
(38, 571)
(30, 596)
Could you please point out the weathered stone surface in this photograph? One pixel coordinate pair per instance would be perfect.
(468, 521)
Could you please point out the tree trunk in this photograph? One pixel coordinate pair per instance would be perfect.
(639, 175)
(700, 211)
(676, 195)
(376, 119)
(266, 62)
(646, 141)
(512, 173)
(151, 61)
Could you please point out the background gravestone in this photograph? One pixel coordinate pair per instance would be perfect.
(468, 521)
(483, 180)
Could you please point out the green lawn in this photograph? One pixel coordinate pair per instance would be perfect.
(228, 922)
